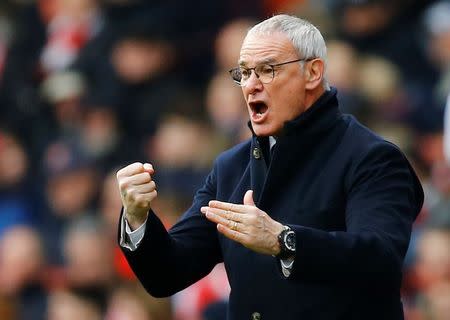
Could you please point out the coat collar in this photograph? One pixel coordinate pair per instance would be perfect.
(318, 118)
(299, 138)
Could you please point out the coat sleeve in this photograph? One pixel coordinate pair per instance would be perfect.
(167, 262)
(384, 197)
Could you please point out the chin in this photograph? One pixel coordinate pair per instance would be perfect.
(263, 131)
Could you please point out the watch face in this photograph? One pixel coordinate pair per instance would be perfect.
(289, 240)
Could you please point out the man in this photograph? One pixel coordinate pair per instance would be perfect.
(312, 216)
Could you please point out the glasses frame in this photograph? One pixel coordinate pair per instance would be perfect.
(267, 64)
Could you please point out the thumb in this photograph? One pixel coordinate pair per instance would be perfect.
(248, 198)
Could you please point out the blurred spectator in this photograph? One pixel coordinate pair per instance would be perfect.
(71, 26)
(72, 179)
(88, 254)
(342, 71)
(380, 81)
(438, 194)
(388, 29)
(70, 191)
(182, 149)
(431, 276)
(16, 201)
(101, 138)
(190, 303)
(228, 43)
(433, 258)
(436, 303)
(48, 37)
(64, 91)
(21, 267)
(72, 305)
(147, 88)
(227, 109)
(131, 302)
(437, 22)
(21, 74)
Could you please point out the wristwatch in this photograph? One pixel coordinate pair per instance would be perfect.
(287, 242)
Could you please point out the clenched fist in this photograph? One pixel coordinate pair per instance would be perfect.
(137, 190)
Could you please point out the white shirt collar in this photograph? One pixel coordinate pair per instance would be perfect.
(272, 141)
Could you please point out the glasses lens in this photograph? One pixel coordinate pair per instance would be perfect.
(236, 75)
(265, 73)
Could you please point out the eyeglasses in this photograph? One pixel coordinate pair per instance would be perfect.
(264, 72)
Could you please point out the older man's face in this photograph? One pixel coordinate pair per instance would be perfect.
(271, 105)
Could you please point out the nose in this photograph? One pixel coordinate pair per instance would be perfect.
(253, 84)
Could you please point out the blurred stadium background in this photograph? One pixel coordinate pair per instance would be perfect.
(88, 86)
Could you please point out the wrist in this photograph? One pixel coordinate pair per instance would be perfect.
(287, 244)
(135, 221)
(277, 247)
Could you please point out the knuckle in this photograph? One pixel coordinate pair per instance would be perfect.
(136, 166)
(141, 201)
(123, 185)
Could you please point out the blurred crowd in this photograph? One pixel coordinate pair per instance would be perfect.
(88, 86)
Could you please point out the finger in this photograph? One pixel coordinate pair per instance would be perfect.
(145, 188)
(216, 218)
(229, 215)
(130, 170)
(143, 200)
(232, 234)
(138, 179)
(221, 220)
(232, 207)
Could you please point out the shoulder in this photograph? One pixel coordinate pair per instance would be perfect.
(363, 141)
(373, 156)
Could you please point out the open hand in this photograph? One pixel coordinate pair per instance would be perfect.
(246, 224)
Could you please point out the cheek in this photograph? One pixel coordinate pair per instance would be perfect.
(289, 105)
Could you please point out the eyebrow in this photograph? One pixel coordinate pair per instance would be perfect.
(269, 60)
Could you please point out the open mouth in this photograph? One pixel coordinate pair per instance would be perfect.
(258, 109)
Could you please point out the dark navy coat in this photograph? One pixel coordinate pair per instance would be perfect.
(351, 198)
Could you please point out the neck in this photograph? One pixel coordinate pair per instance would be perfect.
(312, 96)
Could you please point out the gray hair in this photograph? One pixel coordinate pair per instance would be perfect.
(305, 37)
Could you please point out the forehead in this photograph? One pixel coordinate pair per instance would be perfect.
(259, 48)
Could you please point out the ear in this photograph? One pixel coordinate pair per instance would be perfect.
(314, 71)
